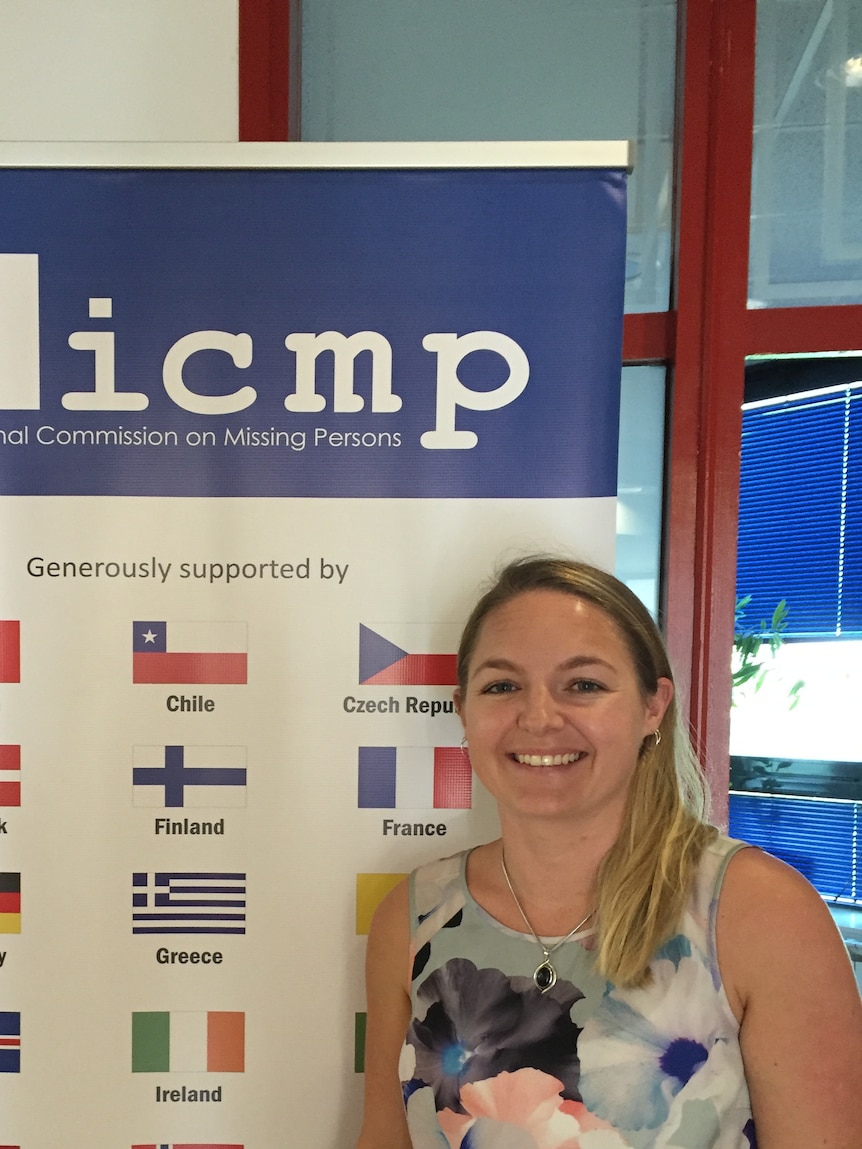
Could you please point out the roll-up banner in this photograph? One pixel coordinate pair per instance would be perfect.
(269, 415)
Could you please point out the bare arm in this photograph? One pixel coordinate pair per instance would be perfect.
(384, 1124)
(790, 981)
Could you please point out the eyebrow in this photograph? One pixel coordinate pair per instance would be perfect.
(575, 663)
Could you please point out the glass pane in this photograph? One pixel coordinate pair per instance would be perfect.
(817, 837)
(507, 69)
(639, 481)
(803, 549)
(806, 217)
(787, 737)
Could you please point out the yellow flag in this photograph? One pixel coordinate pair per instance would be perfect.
(371, 889)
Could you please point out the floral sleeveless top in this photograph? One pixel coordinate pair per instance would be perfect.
(490, 1062)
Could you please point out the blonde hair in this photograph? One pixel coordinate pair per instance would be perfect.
(643, 881)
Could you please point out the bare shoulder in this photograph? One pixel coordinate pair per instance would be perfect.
(387, 980)
(761, 890)
(392, 910)
(789, 980)
(756, 882)
(389, 935)
(770, 917)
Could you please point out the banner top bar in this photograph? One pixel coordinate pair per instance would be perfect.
(618, 154)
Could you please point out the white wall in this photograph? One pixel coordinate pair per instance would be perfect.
(118, 70)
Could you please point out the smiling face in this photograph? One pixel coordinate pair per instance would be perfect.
(553, 710)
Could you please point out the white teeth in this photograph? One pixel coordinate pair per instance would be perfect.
(547, 759)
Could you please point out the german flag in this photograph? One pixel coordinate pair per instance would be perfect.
(10, 903)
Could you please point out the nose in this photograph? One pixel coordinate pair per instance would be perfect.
(540, 712)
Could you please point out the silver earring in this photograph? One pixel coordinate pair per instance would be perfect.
(657, 735)
(465, 745)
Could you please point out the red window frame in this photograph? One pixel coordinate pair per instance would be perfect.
(703, 339)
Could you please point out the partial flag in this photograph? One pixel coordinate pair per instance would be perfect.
(371, 889)
(10, 1042)
(414, 777)
(10, 903)
(360, 1021)
(10, 651)
(188, 903)
(408, 654)
(10, 778)
(190, 653)
(188, 1041)
(190, 776)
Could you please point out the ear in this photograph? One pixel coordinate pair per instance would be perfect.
(458, 699)
(657, 704)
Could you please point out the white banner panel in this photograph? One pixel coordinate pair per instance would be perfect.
(284, 421)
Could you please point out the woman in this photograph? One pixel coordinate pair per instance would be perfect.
(579, 983)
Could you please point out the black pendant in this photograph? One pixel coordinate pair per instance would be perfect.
(545, 976)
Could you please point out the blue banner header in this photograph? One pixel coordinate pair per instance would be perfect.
(446, 334)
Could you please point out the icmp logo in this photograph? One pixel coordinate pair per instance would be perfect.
(20, 384)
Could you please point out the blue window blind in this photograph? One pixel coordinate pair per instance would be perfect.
(800, 519)
(852, 588)
(820, 837)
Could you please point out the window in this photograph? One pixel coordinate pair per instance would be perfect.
(407, 70)
(745, 274)
(820, 837)
(801, 509)
(796, 764)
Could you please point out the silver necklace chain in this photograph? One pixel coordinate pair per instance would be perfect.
(544, 975)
